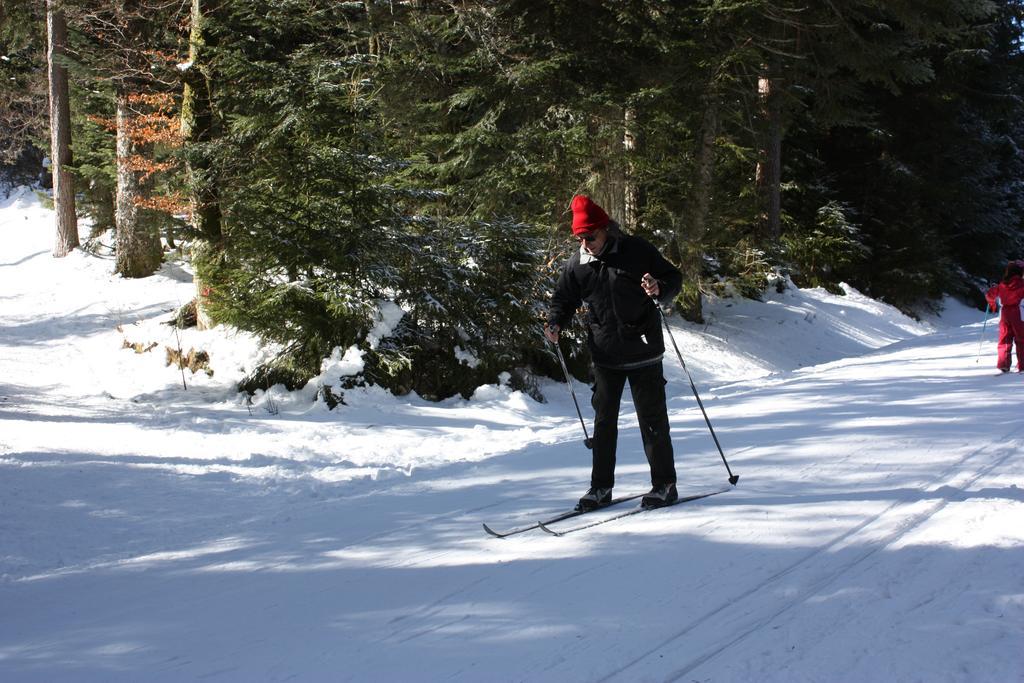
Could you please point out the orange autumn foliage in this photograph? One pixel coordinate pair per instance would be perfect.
(153, 123)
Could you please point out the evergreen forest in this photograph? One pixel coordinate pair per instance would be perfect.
(316, 160)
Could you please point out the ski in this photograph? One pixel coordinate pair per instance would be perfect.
(544, 526)
(559, 518)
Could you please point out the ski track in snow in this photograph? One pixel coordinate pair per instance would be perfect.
(907, 518)
(152, 533)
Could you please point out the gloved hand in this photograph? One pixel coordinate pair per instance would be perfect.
(650, 285)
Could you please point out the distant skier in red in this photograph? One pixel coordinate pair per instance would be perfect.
(1009, 293)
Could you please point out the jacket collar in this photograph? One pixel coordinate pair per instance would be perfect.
(611, 246)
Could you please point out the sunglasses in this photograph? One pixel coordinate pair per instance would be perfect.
(585, 238)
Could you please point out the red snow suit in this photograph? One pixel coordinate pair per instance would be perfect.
(1011, 327)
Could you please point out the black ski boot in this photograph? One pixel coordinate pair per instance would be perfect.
(594, 498)
(660, 495)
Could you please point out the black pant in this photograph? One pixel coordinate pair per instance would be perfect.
(647, 385)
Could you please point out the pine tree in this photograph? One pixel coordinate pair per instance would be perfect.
(320, 228)
(125, 52)
(901, 144)
(23, 89)
(199, 127)
(60, 132)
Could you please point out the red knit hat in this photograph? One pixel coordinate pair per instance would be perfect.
(586, 215)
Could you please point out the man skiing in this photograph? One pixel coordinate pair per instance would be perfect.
(619, 277)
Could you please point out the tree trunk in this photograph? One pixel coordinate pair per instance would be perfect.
(690, 242)
(768, 176)
(612, 169)
(60, 134)
(373, 40)
(633, 200)
(197, 126)
(701, 199)
(138, 250)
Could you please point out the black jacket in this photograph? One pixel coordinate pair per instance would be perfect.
(623, 324)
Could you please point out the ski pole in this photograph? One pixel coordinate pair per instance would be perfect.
(733, 478)
(561, 359)
(981, 339)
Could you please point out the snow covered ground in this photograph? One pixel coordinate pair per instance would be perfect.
(150, 532)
